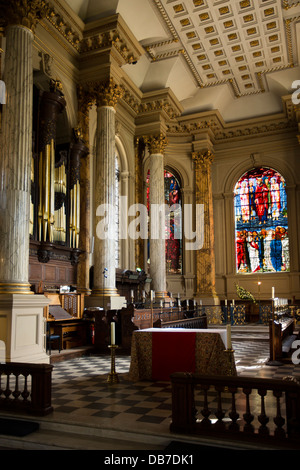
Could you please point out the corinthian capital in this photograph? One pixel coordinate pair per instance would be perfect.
(106, 93)
(23, 12)
(156, 143)
(203, 158)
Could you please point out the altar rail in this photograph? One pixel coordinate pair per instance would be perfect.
(26, 387)
(282, 426)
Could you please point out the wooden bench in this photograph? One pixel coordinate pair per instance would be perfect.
(282, 336)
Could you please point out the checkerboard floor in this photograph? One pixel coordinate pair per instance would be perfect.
(82, 395)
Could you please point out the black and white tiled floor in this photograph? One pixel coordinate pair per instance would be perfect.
(132, 414)
(81, 392)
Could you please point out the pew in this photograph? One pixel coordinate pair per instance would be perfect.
(130, 319)
(195, 322)
(282, 336)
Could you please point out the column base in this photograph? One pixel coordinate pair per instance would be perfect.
(15, 288)
(107, 302)
(23, 328)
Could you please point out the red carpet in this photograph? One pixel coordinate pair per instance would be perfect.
(172, 352)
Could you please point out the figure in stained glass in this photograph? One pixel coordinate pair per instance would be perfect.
(261, 228)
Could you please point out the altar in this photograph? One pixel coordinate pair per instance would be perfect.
(156, 353)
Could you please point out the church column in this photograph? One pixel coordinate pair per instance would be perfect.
(15, 161)
(84, 105)
(205, 257)
(104, 288)
(156, 146)
(21, 315)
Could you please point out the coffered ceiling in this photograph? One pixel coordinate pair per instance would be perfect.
(238, 56)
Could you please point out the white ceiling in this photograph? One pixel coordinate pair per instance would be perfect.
(237, 56)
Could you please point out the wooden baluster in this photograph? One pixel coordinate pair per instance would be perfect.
(1, 389)
(25, 394)
(262, 418)
(16, 392)
(248, 416)
(7, 391)
(205, 411)
(219, 413)
(278, 420)
(233, 415)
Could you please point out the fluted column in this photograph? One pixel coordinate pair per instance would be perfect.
(105, 189)
(15, 161)
(205, 257)
(156, 146)
(84, 105)
(22, 326)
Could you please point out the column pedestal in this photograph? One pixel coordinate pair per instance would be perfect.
(23, 328)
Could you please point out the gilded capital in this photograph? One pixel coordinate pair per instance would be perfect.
(23, 12)
(156, 143)
(203, 158)
(106, 93)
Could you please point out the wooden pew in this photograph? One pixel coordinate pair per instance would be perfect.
(195, 322)
(282, 336)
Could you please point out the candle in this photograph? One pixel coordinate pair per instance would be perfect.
(178, 296)
(273, 292)
(233, 302)
(151, 295)
(161, 303)
(112, 333)
(132, 294)
(143, 294)
(225, 302)
(228, 331)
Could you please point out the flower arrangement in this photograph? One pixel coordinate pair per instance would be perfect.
(244, 294)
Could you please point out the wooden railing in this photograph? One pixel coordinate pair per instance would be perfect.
(26, 387)
(246, 419)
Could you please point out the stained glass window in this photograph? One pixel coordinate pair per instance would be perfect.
(173, 222)
(173, 225)
(261, 223)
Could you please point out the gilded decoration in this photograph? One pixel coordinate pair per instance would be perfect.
(106, 93)
(23, 12)
(156, 143)
(205, 257)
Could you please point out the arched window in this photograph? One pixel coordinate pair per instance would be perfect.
(173, 225)
(261, 224)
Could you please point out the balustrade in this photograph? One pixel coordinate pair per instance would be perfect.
(26, 387)
(260, 409)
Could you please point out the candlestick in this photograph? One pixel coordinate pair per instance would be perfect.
(112, 377)
(112, 333)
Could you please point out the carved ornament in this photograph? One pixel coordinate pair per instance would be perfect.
(156, 143)
(24, 12)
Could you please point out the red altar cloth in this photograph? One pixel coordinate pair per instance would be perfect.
(175, 352)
